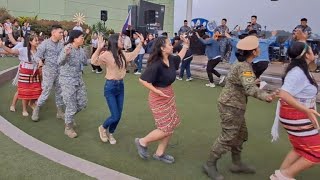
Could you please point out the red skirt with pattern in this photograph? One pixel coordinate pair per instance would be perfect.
(29, 83)
(164, 110)
(304, 138)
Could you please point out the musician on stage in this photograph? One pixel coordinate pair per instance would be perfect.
(222, 29)
(254, 25)
(304, 27)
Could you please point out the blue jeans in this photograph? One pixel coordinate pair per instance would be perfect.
(114, 94)
(185, 65)
(138, 62)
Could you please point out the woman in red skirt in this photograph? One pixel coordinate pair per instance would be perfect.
(297, 114)
(158, 77)
(29, 83)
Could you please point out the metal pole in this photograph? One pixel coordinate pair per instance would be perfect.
(189, 11)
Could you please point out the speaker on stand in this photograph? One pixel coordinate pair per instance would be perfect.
(104, 16)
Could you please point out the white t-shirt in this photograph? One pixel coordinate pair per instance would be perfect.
(137, 41)
(1, 30)
(23, 52)
(78, 28)
(94, 43)
(297, 84)
(7, 24)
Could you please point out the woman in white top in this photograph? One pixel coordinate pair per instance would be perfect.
(29, 82)
(297, 113)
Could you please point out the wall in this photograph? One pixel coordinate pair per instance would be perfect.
(65, 9)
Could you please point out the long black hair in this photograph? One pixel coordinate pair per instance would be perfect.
(156, 54)
(117, 53)
(73, 35)
(243, 55)
(29, 38)
(297, 52)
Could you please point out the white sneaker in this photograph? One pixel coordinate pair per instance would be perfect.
(189, 79)
(103, 134)
(112, 140)
(93, 70)
(179, 78)
(222, 79)
(98, 72)
(211, 85)
(137, 73)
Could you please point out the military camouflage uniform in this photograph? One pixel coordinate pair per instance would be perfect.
(224, 42)
(73, 88)
(49, 51)
(256, 27)
(240, 84)
(305, 29)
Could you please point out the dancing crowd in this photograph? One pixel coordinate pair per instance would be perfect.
(57, 64)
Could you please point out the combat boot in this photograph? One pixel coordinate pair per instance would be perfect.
(239, 167)
(69, 131)
(60, 113)
(210, 168)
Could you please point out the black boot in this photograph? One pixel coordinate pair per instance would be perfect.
(239, 167)
(210, 168)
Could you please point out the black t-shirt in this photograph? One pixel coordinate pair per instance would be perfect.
(159, 74)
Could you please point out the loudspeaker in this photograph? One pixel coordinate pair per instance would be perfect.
(104, 15)
(149, 17)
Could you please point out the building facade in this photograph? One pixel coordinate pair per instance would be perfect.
(66, 9)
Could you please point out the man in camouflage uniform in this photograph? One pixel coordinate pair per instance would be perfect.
(49, 51)
(240, 83)
(224, 43)
(304, 27)
(73, 88)
(254, 25)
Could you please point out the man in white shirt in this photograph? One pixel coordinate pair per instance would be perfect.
(78, 27)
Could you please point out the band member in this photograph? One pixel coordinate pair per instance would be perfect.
(304, 27)
(254, 25)
(223, 40)
(232, 104)
(185, 28)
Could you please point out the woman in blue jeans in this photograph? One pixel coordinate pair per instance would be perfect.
(115, 61)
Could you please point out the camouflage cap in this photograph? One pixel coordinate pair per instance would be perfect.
(248, 43)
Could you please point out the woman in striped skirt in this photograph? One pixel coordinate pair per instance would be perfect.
(29, 83)
(297, 113)
(158, 77)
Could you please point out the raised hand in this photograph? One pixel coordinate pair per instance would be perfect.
(140, 37)
(8, 29)
(101, 41)
(68, 49)
(197, 34)
(185, 40)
